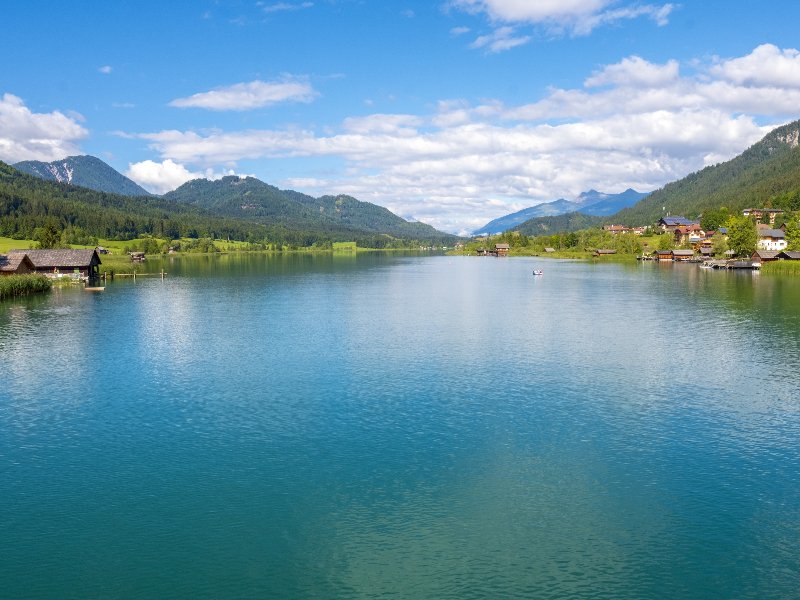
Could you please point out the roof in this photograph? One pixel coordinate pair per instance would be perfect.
(11, 263)
(60, 258)
(605, 251)
(674, 221)
(502, 246)
(790, 254)
(766, 253)
(683, 252)
(705, 251)
(772, 233)
(549, 249)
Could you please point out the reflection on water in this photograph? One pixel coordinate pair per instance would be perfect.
(384, 425)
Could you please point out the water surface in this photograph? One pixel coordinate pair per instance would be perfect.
(393, 426)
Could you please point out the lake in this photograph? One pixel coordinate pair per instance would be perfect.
(403, 426)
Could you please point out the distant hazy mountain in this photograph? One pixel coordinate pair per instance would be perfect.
(84, 171)
(589, 203)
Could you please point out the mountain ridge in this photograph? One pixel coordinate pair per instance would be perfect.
(591, 203)
(84, 171)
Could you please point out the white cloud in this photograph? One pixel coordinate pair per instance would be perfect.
(502, 38)
(635, 71)
(25, 135)
(633, 124)
(286, 6)
(576, 17)
(767, 65)
(105, 70)
(167, 175)
(247, 96)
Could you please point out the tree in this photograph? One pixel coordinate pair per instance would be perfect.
(742, 235)
(48, 236)
(713, 219)
(792, 235)
(719, 245)
(665, 241)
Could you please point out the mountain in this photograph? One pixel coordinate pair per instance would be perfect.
(232, 208)
(589, 203)
(559, 223)
(764, 172)
(602, 205)
(83, 171)
(251, 199)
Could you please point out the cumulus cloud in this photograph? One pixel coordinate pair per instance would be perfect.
(635, 71)
(767, 65)
(167, 175)
(105, 70)
(25, 135)
(576, 17)
(633, 123)
(247, 96)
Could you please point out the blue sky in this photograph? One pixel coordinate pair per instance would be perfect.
(452, 112)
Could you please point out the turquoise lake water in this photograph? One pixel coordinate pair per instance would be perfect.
(386, 426)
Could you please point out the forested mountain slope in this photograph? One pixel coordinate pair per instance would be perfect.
(766, 170)
(84, 171)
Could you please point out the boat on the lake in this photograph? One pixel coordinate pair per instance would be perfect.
(538, 272)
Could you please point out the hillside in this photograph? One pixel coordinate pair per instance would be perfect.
(768, 169)
(28, 202)
(559, 224)
(251, 199)
(84, 171)
(589, 203)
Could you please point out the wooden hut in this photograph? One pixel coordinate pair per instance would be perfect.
(16, 264)
(82, 263)
(604, 252)
(501, 249)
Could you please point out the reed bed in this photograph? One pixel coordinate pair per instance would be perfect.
(15, 286)
(781, 267)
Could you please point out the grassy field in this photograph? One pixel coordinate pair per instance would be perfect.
(344, 246)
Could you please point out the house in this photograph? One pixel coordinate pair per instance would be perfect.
(482, 252)
(54, 263)
(615, 229)
(706, 252)
(771, 239)
(788, 255)
(688, 234)
(670, 223)
(604, 252)
(763, 256)
(682, 255)
(663, 254)
(501, 249)
(758, 213)
(16, 264)
(549, 249)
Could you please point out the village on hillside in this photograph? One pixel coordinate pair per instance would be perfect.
(687, 241)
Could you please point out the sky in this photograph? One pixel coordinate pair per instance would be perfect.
(451, 112)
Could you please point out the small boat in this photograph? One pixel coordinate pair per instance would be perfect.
(538, 272)
(94, 289)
